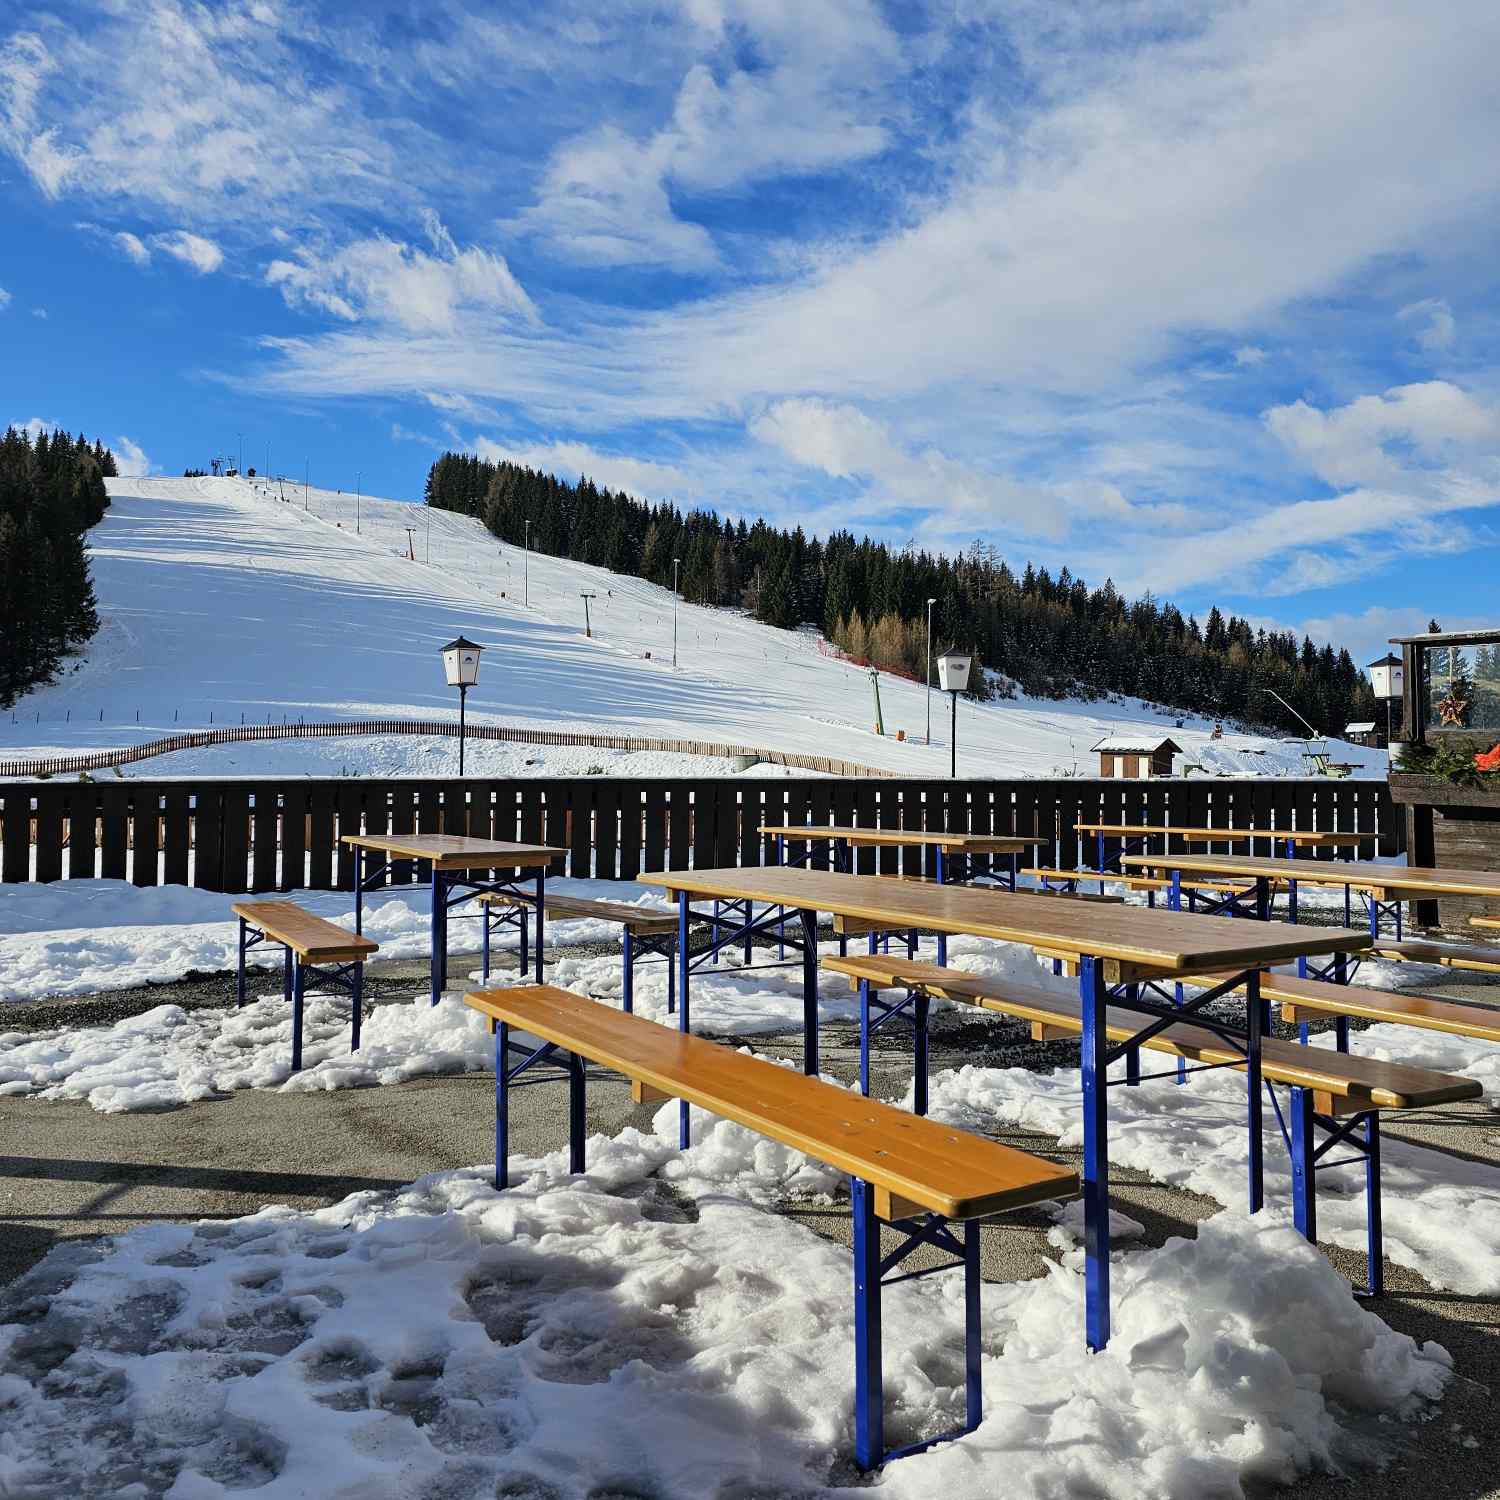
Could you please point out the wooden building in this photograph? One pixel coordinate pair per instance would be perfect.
(1136, 757)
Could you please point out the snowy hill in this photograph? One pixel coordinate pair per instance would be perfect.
(222, 599)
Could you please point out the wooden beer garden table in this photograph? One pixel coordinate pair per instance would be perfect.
(453, 857)
(1117, 948)
(1135, 838)
(946, 848)
(1382, 886)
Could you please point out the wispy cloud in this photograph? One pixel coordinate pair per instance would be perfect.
(1436, 326)
(131, 460)
(5, 299)
(194, 250)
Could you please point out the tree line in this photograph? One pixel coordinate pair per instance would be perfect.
(1048, 636)
(51, 492)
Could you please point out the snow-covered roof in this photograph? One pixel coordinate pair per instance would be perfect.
(1125, 745)
(1361, 728)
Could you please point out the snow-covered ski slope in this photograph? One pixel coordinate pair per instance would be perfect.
(227, 597)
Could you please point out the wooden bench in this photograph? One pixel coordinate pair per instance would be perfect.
(1148, 883)
(643, 932)
(310, 942)
(917, 1175)
(1464, 956)
(1334, 1091)
(1490, 923)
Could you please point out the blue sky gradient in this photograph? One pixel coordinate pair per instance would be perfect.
(1199, 296)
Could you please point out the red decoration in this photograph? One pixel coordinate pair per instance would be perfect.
(1488, 760)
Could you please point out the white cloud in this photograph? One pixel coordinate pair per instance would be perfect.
(637, 476)
(1438, 325)
(39, 312)
(203, 255)
(131, 460)
(132, 247)
(1251, 355)
(401, 285)
(34, 427)
(5, 299)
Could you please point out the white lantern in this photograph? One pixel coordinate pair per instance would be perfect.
(953, 671)
(461, 663)
(1387, 677)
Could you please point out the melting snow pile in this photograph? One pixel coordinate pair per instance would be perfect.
(604, 1336)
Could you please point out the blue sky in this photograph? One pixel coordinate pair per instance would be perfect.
(1200, 296)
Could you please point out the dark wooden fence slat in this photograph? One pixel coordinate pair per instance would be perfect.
(49, 833)
(265, 829)
(294, 833)
(726, 824)
(145, 835)
(114, 836)
(606, 828)
(236, 838)
(556, 812)
(581, 829)
(320, 865)
(403, 819)
(83, 832)
(632, 827)
(705, 813)
(176, 833)
(752, 815)
(679, 852)
(654, 848)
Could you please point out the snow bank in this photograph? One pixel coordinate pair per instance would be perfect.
(586, 1336)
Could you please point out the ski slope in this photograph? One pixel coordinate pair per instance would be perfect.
(227, 600)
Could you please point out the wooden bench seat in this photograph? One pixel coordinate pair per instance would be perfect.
(643, 933)
(1469, 957)
(310, 943)
(1343, 1084)
(1324, 1085)
(1492, 924)
(1133, 882)
(904, 1168)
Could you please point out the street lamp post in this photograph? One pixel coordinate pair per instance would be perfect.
(461, 668)
(930, 603)
(1388, 680)
(953, 678)
(676, 563)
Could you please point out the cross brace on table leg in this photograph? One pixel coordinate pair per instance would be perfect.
(570, 1066)
(726, 931)
(871, 1272)
(915, 1008)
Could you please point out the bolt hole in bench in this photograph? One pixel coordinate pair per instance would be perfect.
(644, 933)
(1336, 1093)
(933, 1184)
(310, 944)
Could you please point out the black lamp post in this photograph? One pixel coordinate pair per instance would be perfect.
(461, 668)
(953, 678)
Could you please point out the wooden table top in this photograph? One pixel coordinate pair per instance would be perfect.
(1155, 941)
(916, 1160)
(1305, 838)
(1367, 875)
(454, 851)
(962, 843)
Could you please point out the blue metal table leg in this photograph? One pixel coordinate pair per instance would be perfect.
(684, 1137)
(1374, 1239)
(921, 1010)
(359, 889)
(438, 927)
(1255, 1012)
(286, 974)
(973, 1389)
(1174, 894)
(809, 922)
(541, 917)
(713, 956)
(1095, 1154)
(502, 1105)
(525, 940)
(781, 920)
(1099, 858)
(357, 1004)
(671, 980)
(239, 980)
(1304, 1187)
(297, 987)
(940, 873)
(869, 1393)
(1262, 899)
(864, 1035)
(628, 978)
(484, 920)
(577, 1119)
(1291, 902)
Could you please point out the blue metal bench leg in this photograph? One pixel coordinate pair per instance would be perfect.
(1304, 1186)
(484, 922)
(714, 956)
(297, 987)
(869, 1385)
(286, 975)
(809, 924)
(239, 983)
(1095, 1154)
(577, 1118)
(938, 869)
(628, 978)
(502, 1105)
(439, 931)
(973, 1387)
(671, 980)
(525, 940)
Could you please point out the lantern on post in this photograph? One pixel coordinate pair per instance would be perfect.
(1387, 681)
(461, 668)
(953, 678)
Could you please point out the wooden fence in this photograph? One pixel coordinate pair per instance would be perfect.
(267, 835)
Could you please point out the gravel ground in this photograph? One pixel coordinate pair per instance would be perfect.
(70, 1172)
